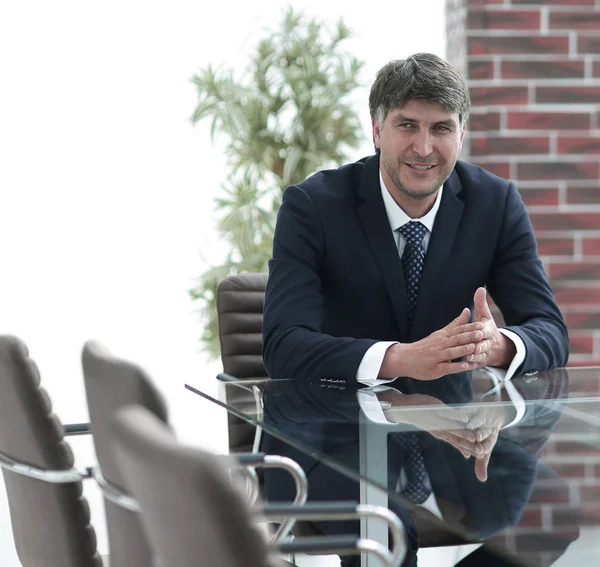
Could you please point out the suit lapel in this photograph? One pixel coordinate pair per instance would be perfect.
(374, 220)
(440, 246)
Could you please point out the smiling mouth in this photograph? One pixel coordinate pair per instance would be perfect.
(420, 168)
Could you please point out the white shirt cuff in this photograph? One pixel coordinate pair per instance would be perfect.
(502, 376)
(371, 406)
(370, 365)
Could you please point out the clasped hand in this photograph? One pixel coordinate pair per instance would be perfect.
(471, 430)
(478, 343)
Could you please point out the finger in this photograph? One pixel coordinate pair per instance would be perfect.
(462, 319)
(472, 448)
(481, 467)
(457, 352)
(483, 346)
(478, 359)
(467, 328)
(482, 309)
(478, 420)
(489, 441)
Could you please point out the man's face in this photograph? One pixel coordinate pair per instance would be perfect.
(419, 146)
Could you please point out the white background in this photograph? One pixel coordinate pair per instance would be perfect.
(106, 189)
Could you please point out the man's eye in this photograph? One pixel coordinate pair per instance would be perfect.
(443, 128)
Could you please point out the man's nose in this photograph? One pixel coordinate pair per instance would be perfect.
(422, 144)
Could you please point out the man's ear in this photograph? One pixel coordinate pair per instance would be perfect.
(376, 134)
(463, 131)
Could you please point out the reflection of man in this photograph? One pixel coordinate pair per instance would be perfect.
(379, 267)
(325, 418)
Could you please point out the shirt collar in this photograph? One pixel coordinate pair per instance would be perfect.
(397, 217)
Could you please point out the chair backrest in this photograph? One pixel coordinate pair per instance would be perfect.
(240, 301)
(50, 522)
(191, 512)
(111, 383)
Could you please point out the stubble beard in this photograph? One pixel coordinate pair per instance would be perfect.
(393, 171)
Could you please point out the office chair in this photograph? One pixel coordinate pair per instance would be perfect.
(50, 517)
(193, 514)
(111, 383)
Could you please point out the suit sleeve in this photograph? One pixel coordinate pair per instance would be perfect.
(521, 290)
(294, 344)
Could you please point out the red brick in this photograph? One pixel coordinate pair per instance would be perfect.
(531, 517)
(588, 44)
(582, 320)
(564, 516)
(503, 20)
(583, 195)
(542, 69)
(547, 493)
(596, 69)
(479, 70)
(553, 246)
(590, 493)
(504, 45)
(563, 271)
(579, 145)
(494, 145)
(597, 471)
(565, 221)
(537, 196)
(573, 448)
(577, 296)
(567, 95)
(569, 470)
(591, 246)
(501, 169)
(483, 96)
(583, 20)
(590, 514)
(581, 343)
(549, 120)
(558, 170)
(484, 121)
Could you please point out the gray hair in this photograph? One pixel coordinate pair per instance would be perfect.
(423, 76)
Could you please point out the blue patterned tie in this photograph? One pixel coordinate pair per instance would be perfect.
(413, 257)
(412, 262)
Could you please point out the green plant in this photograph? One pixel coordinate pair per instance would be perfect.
(287, 117)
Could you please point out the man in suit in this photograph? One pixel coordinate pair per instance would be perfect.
(380, 268)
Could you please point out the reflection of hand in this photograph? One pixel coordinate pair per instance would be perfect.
(486, 422)
(439, 420)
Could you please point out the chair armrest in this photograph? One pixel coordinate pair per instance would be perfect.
(261, 460)
(313, 511)
(46, 475)
(77, 429)
(339, 545)
(114, 493)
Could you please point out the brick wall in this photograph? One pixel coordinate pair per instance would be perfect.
(533, 67)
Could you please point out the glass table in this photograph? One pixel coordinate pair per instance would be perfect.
(537, 502)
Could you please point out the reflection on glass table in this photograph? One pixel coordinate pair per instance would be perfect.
(512, 465)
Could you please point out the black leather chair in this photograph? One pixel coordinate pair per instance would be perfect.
(50, 517)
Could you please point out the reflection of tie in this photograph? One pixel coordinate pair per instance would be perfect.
(412, 263)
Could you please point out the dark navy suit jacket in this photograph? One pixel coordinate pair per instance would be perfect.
(336, 284)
